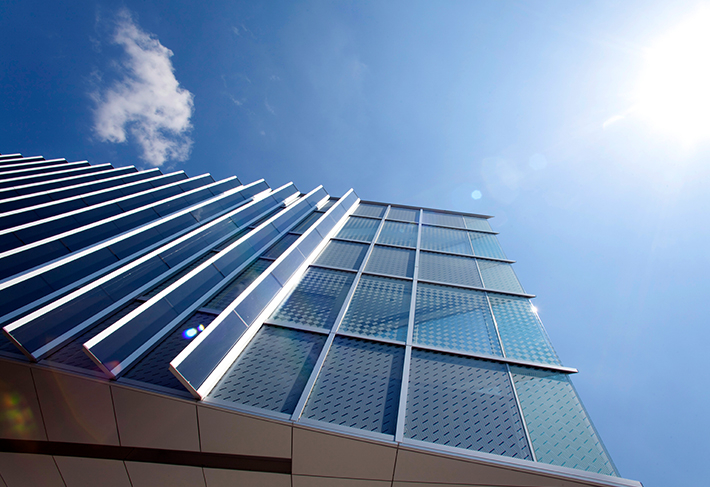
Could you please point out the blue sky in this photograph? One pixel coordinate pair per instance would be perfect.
(533, 104)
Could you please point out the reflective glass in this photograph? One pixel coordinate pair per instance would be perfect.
(521, 330)
(363, 229)
(379, 308)
(446, 240)
(272, 371)
(444, 219)
(403, 214)
(392, 261)
(232, 291)
(316, 300)
(178, 275)
(346, 255)
(465, 403)
(450, 269)
(281, 246)
(454, 318)
(370, 210)
(500, 276)
(395, 233)
(358, 386)
(473, 223)
(307, 223)
(486, 245)
(560, 430)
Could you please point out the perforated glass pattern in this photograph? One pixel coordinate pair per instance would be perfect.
(358, 386)
(370, 210)
(404, 214)
(463, 402)
(450, 269)
(500, 276)
(232, 291)
(446, 240)
(444, 219)
(454, 318)
(521, 331)
(560, 430)
(486, 245)
(346, 255)
(392, 261)
(362, 229)
(379, 308)
(154, 367)
(272, 371)
(473, 223)
(395, 233)
(316, 300)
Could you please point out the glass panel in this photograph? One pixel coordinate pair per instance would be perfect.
(346, 255)
(329, 203)
(178, 275)
(379, 308)
(370, 210)
(473, 223)
(463, 402)
(363, 229)
(404, 214)
(521, 330)
(227, 295)
(446, 240)
(388, 260)
(272, 371)
(281, 246)
(445, 219)
(317, 299)
(454, 318)
(154, 367)
(486, 245)
(560, 430)
(358, 386)
(498, 275)
(450, 269)
(393, 233)
(307, 223)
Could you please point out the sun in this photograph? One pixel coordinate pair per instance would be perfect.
(673, 93)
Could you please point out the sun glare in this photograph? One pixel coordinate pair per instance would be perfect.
(673, 94)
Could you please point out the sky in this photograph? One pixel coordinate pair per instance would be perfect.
(582, 127)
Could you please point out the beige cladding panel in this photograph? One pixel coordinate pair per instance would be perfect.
(226, 432)
(75, 409)
(237, 478)
(24, 470)
(160, 475)
(330, 455)
(91, 472)
(151, 421)
(22, 417)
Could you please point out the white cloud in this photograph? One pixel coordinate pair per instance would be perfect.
(146, 101)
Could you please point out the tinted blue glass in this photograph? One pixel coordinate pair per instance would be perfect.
(272, 371)
(316, 300)
(450, 269)
(560, 430)
(403, 214)
(500, 276)
(379, 308)
(446, 240)
(463, 402)
(345, 255)
(364, 209)
(486, 245)
(444, 219)
(358, 386)
(454, 318)
(362, 229)
(392, 261)
(394, 233)
(232, 291)
(473, 223)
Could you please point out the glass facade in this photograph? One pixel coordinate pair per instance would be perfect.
(404, 324)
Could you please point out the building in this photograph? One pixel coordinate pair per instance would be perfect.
(167, 330)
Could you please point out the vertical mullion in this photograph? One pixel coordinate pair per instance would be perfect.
(399, 432)
(333, 331)
(520, 411)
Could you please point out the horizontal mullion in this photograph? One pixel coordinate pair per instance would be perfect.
(476, 288)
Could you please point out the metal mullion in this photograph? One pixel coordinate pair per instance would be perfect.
(159, 336)
(35, 187)
(404, 388)
(520, 411)
(301, 405)
(445, 252)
